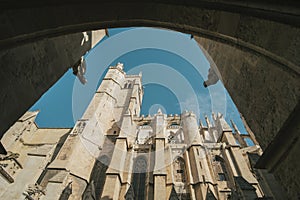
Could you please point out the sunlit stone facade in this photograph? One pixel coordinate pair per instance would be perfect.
(113, 152)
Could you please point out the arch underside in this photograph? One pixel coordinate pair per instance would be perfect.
(253, 45)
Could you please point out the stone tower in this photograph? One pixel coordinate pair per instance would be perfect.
(113, 152)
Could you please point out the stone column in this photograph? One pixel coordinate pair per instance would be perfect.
(196, 155)
(237, 163)
(238, 135)
(114, 174)
(189, 175)
(73, 164)
(159, 173)
(106, 96)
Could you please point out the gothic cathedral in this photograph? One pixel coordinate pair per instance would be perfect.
(113, 152)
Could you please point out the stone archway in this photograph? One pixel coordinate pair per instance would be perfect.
(255, 46)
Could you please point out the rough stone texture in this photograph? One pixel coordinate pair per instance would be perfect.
(29, 70)
(281, 39)
(36, 147)
(226, 22)
(268, 32)
(287, 170)
(161, 156)
(264, 92)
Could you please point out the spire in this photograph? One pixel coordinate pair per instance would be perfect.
(213, 116)
(159, 111)
(249, 131)
(208, 122)
(120, 66)
(221, 124)
(236, 130)
(238, 135)
(200, 123)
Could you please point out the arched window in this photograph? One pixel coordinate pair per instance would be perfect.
(146, 123)
(139, 177)
(128, 85)
(180, 181)
(179, 170)
(98, 175)
(220, 169)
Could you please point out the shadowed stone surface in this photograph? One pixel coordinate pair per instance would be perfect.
(27, 71)
(286, 172)
(242, 25)
(255, 45)
(264, 91)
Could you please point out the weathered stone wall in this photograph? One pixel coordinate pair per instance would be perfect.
(264, 91)
(264, 35)
(27, 72)
(287, 170)
(257, 27)
(251, 25)
(33, 148)
(47, 17)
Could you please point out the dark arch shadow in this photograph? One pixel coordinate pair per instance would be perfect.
(259, 67)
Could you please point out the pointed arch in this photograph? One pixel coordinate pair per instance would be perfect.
(98, 175)
(221, 171)
(179, 171)
(129, 85)
(180, 178)
(139, 177)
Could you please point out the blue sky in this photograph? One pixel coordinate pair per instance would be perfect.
(173, 68)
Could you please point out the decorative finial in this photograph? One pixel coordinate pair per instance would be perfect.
(213, 116)
(235, 127)
(201, 124)
(120, 65)
(159, 111)
(207, 122)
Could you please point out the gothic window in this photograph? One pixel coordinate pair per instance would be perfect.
(128, 85)
(139, 177)
(146, 123)
(222, 177)
(172, 138)
(179, 170)
(174, 123)
(98, 175)
(179, 173)
(220, 168)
